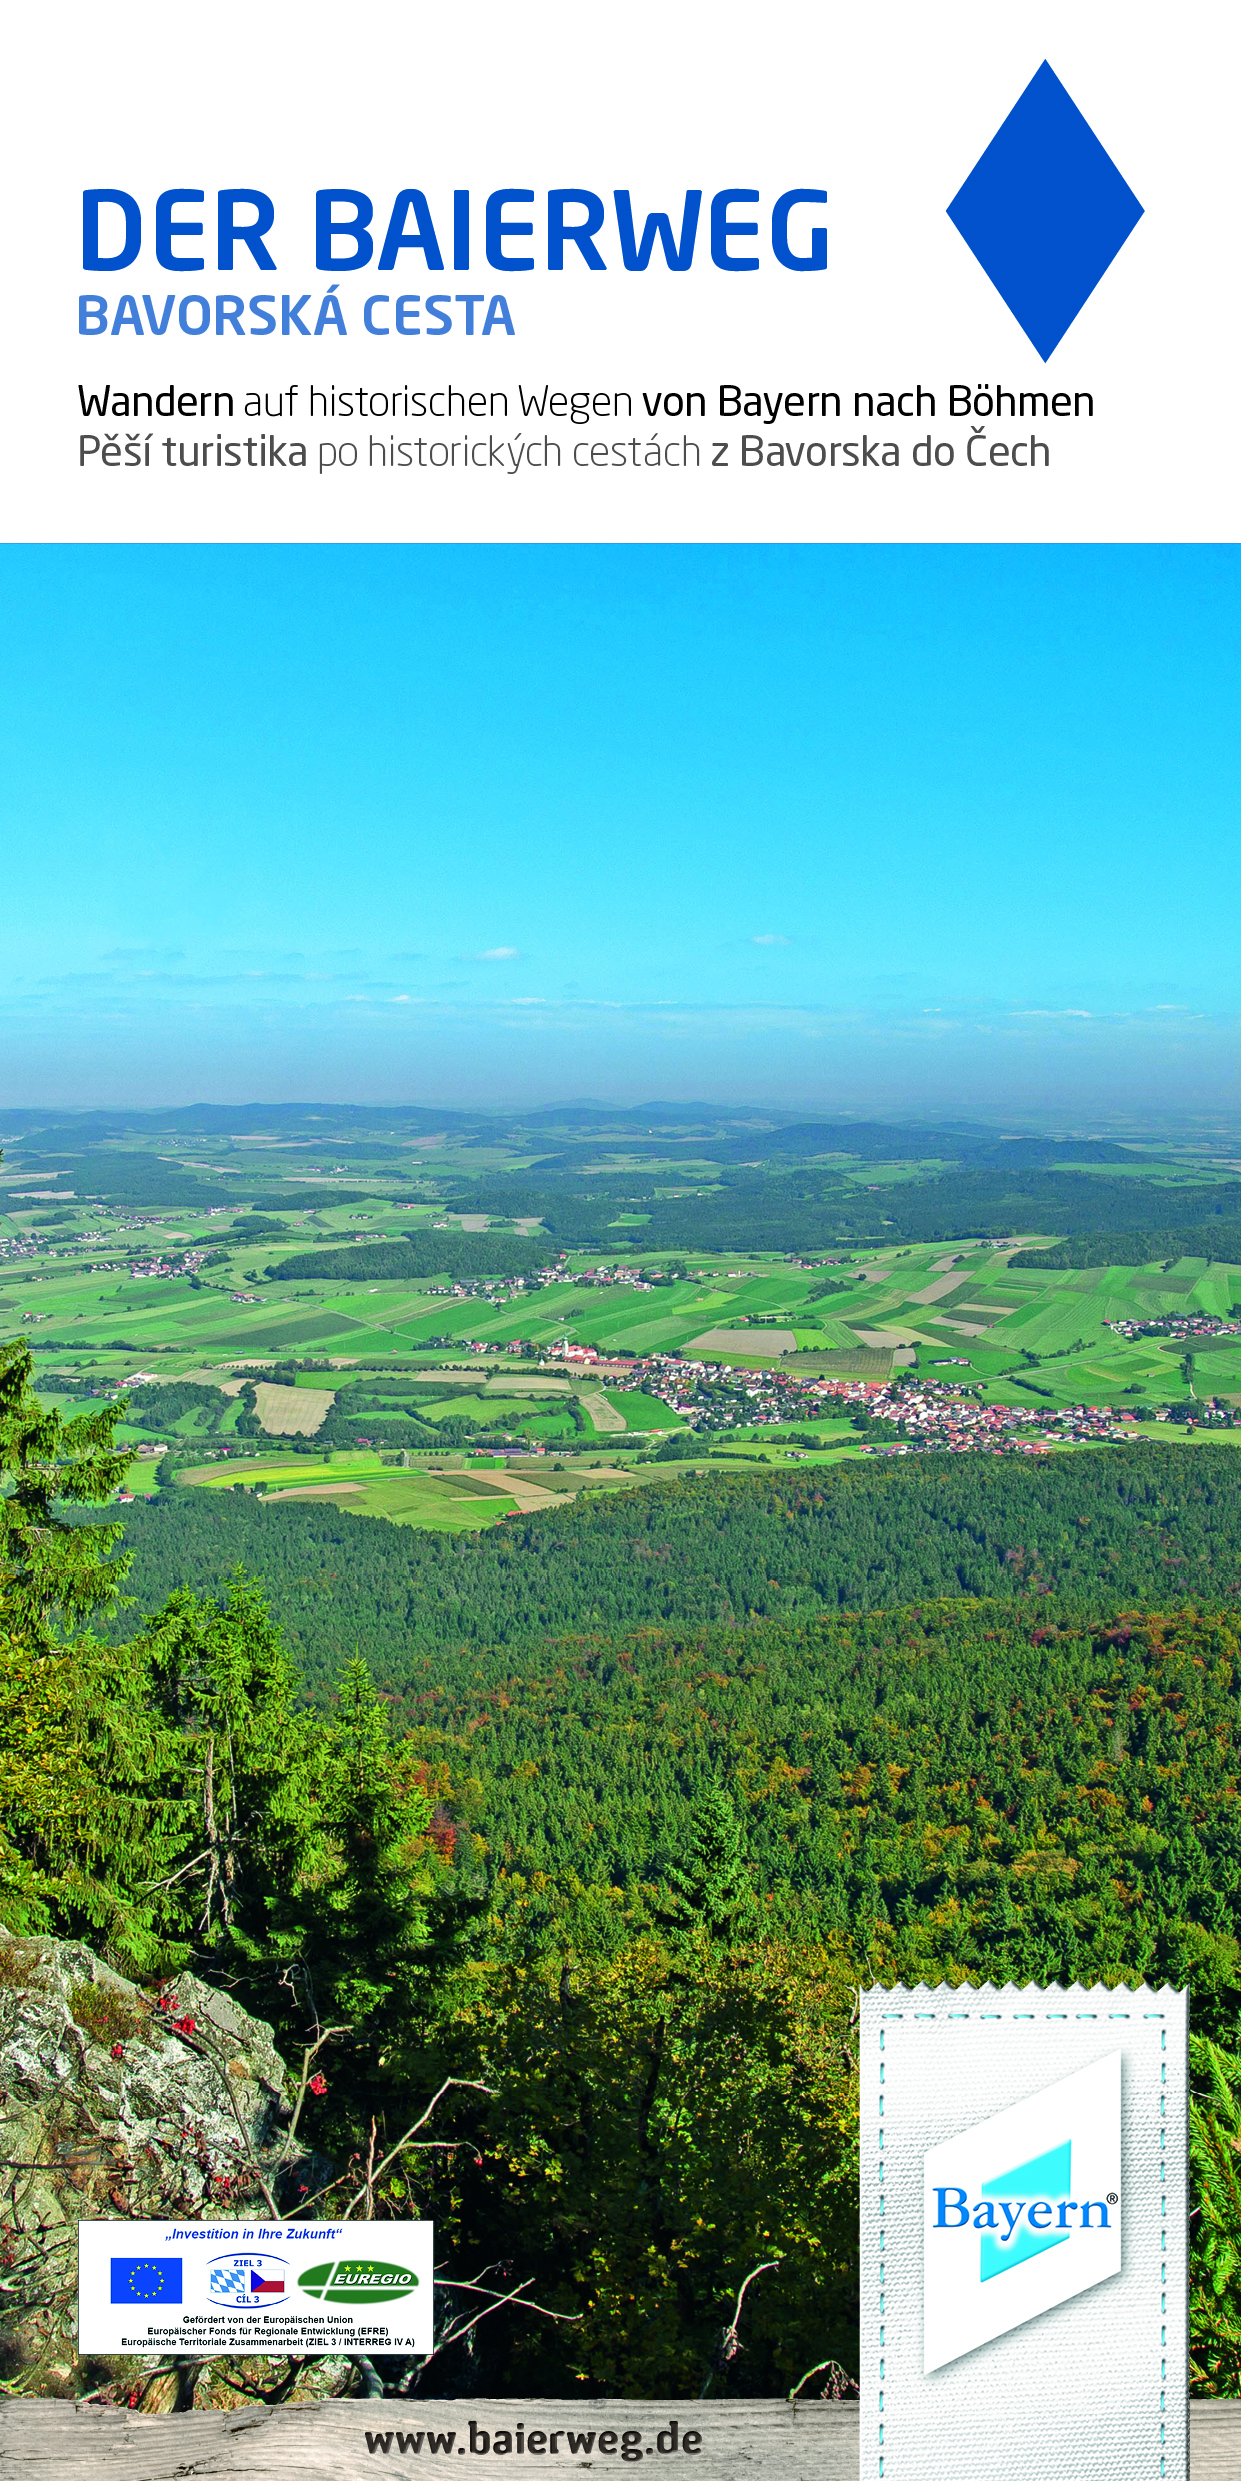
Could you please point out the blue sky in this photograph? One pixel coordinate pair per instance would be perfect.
(880, 827)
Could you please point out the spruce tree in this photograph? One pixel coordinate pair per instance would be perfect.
(48, 1566)
(356, 1916)
(242, 1762)
(708, 1898)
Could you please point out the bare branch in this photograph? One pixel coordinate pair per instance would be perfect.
(167, 2371)
(730, 2343)
(455, 2333)
(839, 2383)
(411, 2134)
(148, 1886)
(309, 2055)
(563, 2317)
(266, 2394)
(251, 2160)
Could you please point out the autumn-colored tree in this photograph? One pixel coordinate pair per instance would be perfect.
(647, 2144)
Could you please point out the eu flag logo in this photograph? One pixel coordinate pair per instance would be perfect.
(146, 2281)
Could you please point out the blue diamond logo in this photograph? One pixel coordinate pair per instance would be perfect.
(1045, 211)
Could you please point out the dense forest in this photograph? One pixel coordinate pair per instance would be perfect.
(458, 1255)
(718, 1139)
(800, 1207)
(608, 1819)
(796, 1209)
(703, 1178)
(953, 1789)
(1210, 1237)
(1091, 1534)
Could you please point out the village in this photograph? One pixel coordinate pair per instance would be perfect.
(187, 1262)
(1174, 1327)
(926, 1413)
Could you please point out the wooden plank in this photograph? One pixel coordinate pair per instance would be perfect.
(805, 2442)
(1215, 2441)
(808, 2442)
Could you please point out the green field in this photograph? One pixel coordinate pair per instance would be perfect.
(987, 1318)
(361, 1483)
(140, 1269)
(1048, 1330)
(642, 1412)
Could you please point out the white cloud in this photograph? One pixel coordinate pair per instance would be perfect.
(769, 939)
(496, 956)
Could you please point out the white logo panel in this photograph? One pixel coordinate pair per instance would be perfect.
(1022, 2212)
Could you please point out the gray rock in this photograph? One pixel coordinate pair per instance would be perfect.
(117, 2101)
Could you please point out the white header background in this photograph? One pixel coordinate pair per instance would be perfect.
(886, 109)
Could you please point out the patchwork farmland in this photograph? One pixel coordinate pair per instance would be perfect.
(379, 1336)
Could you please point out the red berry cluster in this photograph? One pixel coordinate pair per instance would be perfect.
(168, 2004)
